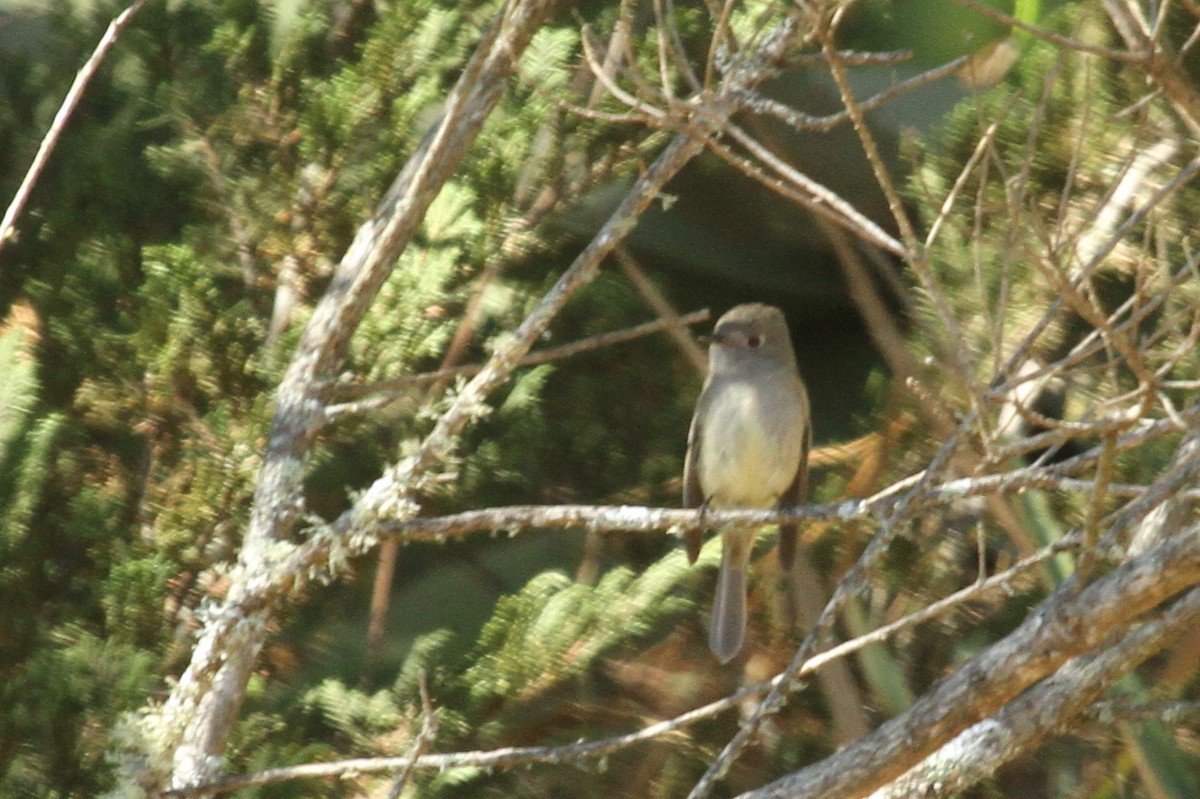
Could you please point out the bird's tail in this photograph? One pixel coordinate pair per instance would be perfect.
(727, 631)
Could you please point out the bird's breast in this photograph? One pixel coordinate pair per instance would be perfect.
(752, 441)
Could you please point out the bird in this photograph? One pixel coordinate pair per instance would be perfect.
(747, 447)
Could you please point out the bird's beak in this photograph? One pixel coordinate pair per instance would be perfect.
(715, 338)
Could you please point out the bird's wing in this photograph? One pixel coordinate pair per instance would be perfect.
(793, 496)
(693, 495)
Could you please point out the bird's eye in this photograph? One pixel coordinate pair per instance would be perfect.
(753, 342)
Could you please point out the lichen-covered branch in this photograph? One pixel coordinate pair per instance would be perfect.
(1069, 623)
(192, 726)
(1043, 711)
(585, 750)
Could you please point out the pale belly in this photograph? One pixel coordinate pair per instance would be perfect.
(754, 458)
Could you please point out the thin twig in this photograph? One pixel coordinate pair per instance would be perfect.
(1157, 59)
(424, 739)
(70, 102)
(679, 51)
(1091, 530)
(870, 147)
(387, 391)
(917, 255)
(999, 583)
(977, 156)
(884, 330)
(754, 101)
(658, 302)
(806, 191)
(601, 74)
(1065, 42)
(1183, 713)
(721, 32)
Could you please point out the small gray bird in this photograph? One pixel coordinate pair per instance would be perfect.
(747, 448)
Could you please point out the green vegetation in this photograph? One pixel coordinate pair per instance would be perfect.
(192, 215)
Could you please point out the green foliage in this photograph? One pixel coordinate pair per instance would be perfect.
(75, 675)
(556, 629)
(262, 741)
(24, 453)
(538, 665)
(130, 599)
(357, 717)
(224, 148)
(224, 157)
(18, 387)
(1060, 134)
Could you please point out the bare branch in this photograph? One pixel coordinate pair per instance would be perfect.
(69, 103)
(201, 709)
(1048, 709)
(1000, 583)
(884, 330)
(805, 122)
(1157, 58)
(1183, 713)
(856, 112)
(964, 174)
(606, 80)
(1065, 42)
(389, 390)
(797, 186)
(1069, 623)
(423, 741)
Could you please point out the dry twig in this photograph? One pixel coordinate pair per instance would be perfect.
(69, 103)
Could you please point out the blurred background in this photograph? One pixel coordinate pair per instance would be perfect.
(191, 215)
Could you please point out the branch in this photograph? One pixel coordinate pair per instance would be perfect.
(198, 715)
(1067, 624)
(688, 347)
(1057, 39)
(1173, 713)
(639, 519)
(760, 104)
(69, 103)
(429, 728)
(885, 330)
(1049, 709)
(1001, 583)
(389, 390)
(797, 186)
(632, 518)
(1158, 60)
